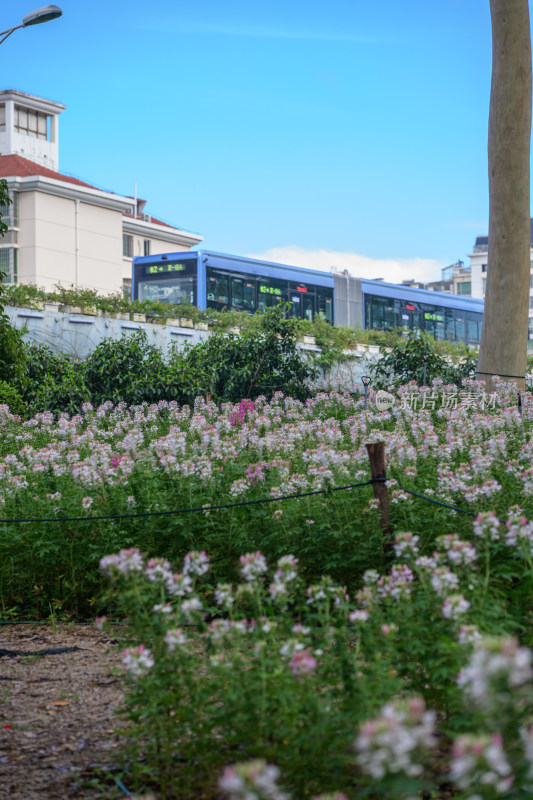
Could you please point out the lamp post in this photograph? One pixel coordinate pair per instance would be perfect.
(44, 14)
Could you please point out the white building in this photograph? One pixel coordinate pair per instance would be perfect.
(478, 270)
(62, 230)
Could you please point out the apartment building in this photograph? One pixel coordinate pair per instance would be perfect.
(61, 229)
(478, 269)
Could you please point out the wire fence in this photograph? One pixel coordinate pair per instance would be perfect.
(239, 504)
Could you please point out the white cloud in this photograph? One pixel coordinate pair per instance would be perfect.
(393, 270)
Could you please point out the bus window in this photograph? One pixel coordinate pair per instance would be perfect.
(460, 329)
(296, 305)
(173, 291)
(217, 290)
(308, 301)
(471, 327)
(434, 320)
(243, 294)
(449, 333)
(324, 303)
(271, 292)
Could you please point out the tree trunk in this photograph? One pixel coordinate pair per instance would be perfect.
(503, 349)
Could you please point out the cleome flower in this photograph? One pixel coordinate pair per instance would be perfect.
(494, 660)
(481, 760)
(196, 563)
(137, 660)
(406, 543)
(454, 606)
(174, 638)
(397, 584)
(253, 565)
(395, 741)
(302, 663)
(252, 780)
(125, 562)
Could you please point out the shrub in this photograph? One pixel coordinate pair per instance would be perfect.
(10, 396)
(129, 370)
(408, 357)
(261, 361)
(52, 382)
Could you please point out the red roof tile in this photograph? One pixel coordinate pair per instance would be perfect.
(154, 220)
(17, 166)
(12, 166)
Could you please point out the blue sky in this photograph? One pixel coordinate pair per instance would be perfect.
(345, 132)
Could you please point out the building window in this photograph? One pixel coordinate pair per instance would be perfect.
(483, 286)
(127, 245)
(530, 328)
(465, 287)
(31, 123)
(146, 247)
(483, 268)
(2, 116)
(9, 212)
(531, 281)
(126, 288)
(531, 301)
(8, 264)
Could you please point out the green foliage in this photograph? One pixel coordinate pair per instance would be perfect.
(261, 361)
(332, 339)
(12, 352)
(11, 348)
(129, 370)
(52, 382)
(11, 397)
(410, 355)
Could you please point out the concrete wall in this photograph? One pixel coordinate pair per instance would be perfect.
(77, 335)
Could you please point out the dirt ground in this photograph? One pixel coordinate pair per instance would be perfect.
(57, 716)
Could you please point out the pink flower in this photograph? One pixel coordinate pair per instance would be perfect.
(302, 662)
(87, 502)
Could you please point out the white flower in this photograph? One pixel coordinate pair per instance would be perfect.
(126, 562)
(454, 606)
(163, 608)
(253, 566)
(223, 595)
(393, 742)
(137, 660)
(178, 585)
(359, 615)
(175, 638)
(495, 659)
(196, 563)
(158, 569)
(188, 607)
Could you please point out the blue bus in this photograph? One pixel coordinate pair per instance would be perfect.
(214, 280)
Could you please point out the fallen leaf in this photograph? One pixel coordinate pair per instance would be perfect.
(58, 703)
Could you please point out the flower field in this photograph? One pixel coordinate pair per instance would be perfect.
(286, 648)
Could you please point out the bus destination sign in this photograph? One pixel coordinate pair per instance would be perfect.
(155, 269)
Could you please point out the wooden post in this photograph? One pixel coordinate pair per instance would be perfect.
(376, 456)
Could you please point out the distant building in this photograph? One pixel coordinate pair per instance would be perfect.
(455, 279)
(479, 260)
(61, 229)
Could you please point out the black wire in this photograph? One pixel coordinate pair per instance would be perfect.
(444, 505)
(198, 508)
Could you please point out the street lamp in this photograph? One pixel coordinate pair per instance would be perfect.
(44, 14)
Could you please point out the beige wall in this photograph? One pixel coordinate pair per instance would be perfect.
(68, 242)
